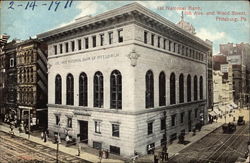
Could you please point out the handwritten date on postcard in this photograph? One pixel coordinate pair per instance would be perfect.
(31, 5)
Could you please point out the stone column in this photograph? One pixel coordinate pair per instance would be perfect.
(76, 89)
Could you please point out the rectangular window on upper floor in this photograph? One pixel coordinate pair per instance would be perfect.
(174, 47)
(152, 39)
(61, 48)
(86, 43)
(183, 50)
(182, 117)
(173, 120)
(94, 41)
(159, 42)
(79, 44)
(196, 113)
(164, 43)
(120, 35)
(110, 37)
(145, 37)
(72, 46)
(101, 39)
(179, 48)
(66, 47)
(115, 130)
(150, 128)
(169, 45)
(97, 127)
(55, 49)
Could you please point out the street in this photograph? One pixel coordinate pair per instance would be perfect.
(18, 149)
(216, 147)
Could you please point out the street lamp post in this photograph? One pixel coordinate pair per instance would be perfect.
(57, 144)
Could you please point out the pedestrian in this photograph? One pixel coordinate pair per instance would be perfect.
(27, 131)
(45, 136)
(42, 135)
(79, 149)
(21, 128)
(155, 159)
(79, 145)
(11, 130)
(67, 139)
(100, 153)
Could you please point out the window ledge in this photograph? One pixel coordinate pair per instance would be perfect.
(97, 134)
(115, 138)
(151, 135)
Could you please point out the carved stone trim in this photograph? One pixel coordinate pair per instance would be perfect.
(133, 56)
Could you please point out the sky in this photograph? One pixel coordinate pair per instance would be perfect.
(221, 22)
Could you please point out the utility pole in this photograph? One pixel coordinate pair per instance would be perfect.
(165, 138)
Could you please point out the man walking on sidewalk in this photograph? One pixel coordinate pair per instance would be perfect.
(79, 145)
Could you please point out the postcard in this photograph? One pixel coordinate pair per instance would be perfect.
(124, 81)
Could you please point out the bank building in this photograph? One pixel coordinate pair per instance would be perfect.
(126, 80)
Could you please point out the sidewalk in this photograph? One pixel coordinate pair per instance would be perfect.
(72, 150)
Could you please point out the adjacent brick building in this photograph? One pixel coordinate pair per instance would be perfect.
(32, 82)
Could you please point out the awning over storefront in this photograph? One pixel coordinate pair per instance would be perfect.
(224, 109)
(217, 111)
(42, 109)
(234, 105)
(230, 107)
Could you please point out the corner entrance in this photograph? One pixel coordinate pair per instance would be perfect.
(83, 131)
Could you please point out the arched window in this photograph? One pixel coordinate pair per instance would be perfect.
(149, 89)
(116, 90)
(70, 90)
(172, 88)
(58, 90)
(201, 87)
(181, 88)
(83, 90)
(98, 89)
(195, 88)
(188, 88)
(162, 89)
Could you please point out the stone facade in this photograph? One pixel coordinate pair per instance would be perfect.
(132, 40)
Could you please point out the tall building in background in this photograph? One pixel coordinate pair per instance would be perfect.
(3, 76)
(126, 80)
(238, 55)
(32, 82)
(11, 80)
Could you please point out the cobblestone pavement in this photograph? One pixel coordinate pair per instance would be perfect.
(216, 147)
(17, 149)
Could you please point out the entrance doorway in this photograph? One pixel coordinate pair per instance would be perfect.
(83, 131)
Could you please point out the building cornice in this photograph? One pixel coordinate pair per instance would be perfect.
(134, 9)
